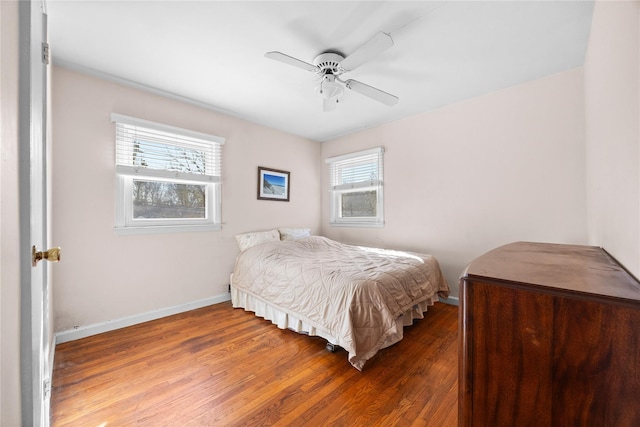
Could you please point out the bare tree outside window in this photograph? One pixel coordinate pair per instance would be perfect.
(359, 204)
(164, 199)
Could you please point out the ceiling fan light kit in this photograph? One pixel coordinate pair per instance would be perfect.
(328, 87)
(330, 65)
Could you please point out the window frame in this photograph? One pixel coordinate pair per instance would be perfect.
(337, 189)
(125, 223)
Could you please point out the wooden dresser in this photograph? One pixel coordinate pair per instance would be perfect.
(549, 336)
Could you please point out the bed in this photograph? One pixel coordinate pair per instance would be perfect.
(355, 297)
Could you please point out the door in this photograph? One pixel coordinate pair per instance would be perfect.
(34, 301)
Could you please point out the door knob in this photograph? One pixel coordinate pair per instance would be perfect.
(52, 255)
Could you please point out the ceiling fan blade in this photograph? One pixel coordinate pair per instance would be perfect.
(329, 104)
(372, 92)
(376, 45)
(279, 56)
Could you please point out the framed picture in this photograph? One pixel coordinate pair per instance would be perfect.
(273, 184)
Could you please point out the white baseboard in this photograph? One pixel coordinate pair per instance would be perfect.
(111, 325)
(452, 301)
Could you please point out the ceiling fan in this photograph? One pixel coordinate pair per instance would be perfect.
(329, 66)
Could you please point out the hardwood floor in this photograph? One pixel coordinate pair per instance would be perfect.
(219, 366)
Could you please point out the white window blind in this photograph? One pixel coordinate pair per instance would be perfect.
(157, 150)
(356, 170)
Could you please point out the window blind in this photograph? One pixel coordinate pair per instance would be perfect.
(156, 150)
(357, 170)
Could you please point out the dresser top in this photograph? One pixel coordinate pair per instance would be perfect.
(577, 269)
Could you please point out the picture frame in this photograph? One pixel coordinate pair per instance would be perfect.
(273, 184)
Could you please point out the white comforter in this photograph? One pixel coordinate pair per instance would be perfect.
(354, 294)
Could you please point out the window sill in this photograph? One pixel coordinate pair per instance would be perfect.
(126, 231)
(358, 224)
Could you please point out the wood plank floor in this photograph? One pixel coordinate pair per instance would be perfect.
(219, 366)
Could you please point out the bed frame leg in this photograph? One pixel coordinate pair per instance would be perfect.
(331, 347)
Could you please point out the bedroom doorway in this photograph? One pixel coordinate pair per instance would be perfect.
(35, 341)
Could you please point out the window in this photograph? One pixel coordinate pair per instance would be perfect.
(355, 183)
(168, 179)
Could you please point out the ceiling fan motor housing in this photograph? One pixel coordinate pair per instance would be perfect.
(328, 63)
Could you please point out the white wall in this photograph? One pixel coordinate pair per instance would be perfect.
(104, 276)
(612, 89)
(510, 165)
(504, 167)
(10, 412)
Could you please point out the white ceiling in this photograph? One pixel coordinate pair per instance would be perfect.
(212, 52)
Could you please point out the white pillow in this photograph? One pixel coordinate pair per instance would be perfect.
(245, 241)
(294, 233)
